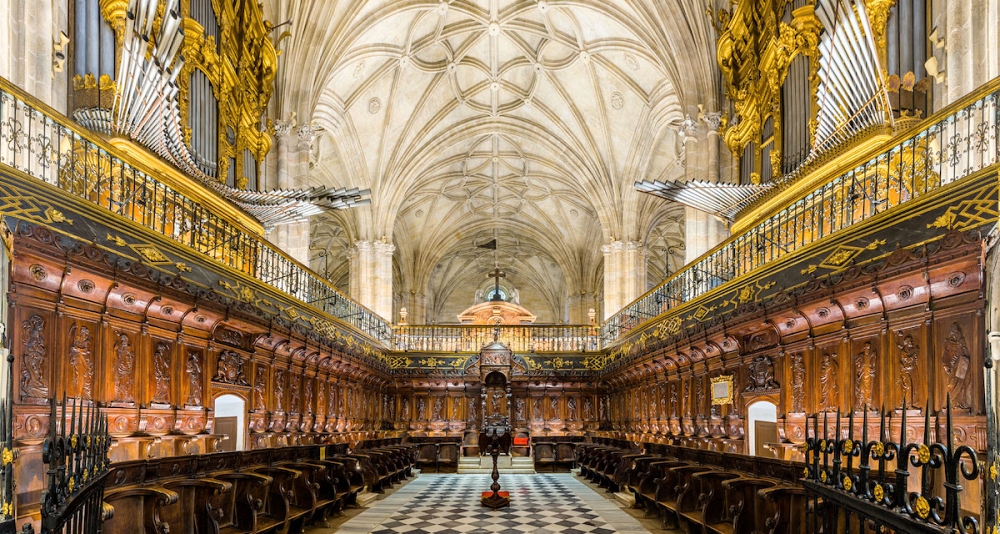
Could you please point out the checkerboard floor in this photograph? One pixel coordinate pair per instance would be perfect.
(449, 504)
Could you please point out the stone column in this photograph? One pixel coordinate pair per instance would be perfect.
(624, 274)
(382, 283)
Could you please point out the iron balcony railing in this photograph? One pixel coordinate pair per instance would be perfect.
(40, 142)
(472, 338)
(960, 142)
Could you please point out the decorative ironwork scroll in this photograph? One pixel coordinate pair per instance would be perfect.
(864, 485)
(75, 453)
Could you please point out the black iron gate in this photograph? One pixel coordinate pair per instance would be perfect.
(881, 485)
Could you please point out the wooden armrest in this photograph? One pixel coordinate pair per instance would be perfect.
(164, 495)
(218, 486)
(737, 483)
(266, 469)
(246, 475)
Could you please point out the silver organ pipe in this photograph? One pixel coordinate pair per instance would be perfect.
(852, 93)
(203, 108)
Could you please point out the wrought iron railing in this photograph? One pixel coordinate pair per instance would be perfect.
(472, 338)
(961, 141)
(864, 485)
(75, 453)
(39, 142)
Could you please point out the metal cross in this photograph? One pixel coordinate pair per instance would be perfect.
(497, 274)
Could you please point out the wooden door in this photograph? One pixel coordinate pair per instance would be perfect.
(228, 426)
(765, 432)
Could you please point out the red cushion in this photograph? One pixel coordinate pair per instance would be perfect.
(520, 442)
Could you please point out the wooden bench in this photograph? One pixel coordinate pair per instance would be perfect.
(245, 510)
(544, 454)
(285, 500)
(200, 505)
(138, 508)
(745, 508)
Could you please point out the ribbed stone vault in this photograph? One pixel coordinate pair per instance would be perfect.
(523, 120)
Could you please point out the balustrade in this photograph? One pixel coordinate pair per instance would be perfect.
(953, 144)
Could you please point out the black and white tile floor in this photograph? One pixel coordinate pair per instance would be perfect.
(449, 504)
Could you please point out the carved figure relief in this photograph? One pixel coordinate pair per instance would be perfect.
(687, 398)
(957, 362)
(536, 409)
(193, 370)
(828, 379)
(309, 395)
(519, 409)
(798, 383)
(602, 409)
(124, 361)
(33, 383)
(406, 408)
(760, 375)
(700, 394)
(908, 355)
(81, 361)
(421, 409)
(456, 407)
(554, 407)
(259, 387)
(437, 408)
(161, 373)
(279, 390)
(293, 394)
(864, 371)
(673, 399)
(472, 409)
(588, 409)
(571, 409)
(229, 369)
(654, 406)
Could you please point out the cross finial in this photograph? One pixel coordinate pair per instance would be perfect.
(497, 274)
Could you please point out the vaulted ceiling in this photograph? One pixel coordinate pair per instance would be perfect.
(521, 120)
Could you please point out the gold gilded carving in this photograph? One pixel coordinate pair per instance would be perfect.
(878, 15)
(722, 390)
(754, 52)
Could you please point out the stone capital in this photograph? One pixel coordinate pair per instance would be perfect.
(306, 135)
(283, 127)
(363, 246)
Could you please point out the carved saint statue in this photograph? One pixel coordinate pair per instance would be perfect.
(421, 409)
(957, 362)
(571, 408)
(456, 407)
(161, 373)
(438, 407)
(81, 361)
(588, 409)
(309, 396)
(293, 395)
(864, 370)
(124, 360)
(700, 394)
(472, 409)
(536, 409)
(798, 383)
(908, 354)
(654, 405)
(259, 387)
(33, 382)
(829, 383)
(279, 390)
(495, 402)
(406, 408)
(673, 399)
(519, 409)
(554, 407)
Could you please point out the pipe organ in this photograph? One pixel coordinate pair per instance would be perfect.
(804, 78)
(187, 79)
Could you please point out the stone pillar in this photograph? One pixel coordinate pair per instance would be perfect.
(27, 32)
(612, 278)
(382, 291)
(624, 275)
(371, 276)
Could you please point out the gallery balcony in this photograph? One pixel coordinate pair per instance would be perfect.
(938, 175)
(45, 154)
